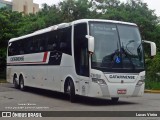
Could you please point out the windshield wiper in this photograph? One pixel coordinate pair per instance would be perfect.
(123, 51)
(139, 51)
(131, 41)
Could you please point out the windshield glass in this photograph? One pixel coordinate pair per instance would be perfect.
(117, 46)
(132, 53)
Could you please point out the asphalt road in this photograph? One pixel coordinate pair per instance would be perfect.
(12, 99)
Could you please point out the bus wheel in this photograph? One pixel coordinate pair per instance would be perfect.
(15, 82)
(114, 99)
(21, 83)
(71, 91)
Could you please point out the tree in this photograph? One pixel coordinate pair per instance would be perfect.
(9, 27)
(13, 24)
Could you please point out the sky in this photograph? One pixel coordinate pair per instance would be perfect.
(152, 4)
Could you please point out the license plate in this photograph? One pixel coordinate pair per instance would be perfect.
(121, 91)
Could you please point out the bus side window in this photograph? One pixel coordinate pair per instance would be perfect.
(32, 47)
(52, 45)
(28, 45)
(15, 48)
(65, 40)
(41, 45)
(36, 44)
(10, 49)
(21, 47)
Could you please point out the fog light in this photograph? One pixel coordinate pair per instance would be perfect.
(99, 81)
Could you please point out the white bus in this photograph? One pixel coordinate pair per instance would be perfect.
(87, 57)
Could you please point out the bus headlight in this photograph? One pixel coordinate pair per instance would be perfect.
(140, 82)
(99, 81)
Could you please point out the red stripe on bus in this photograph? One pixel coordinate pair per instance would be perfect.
(45, 56)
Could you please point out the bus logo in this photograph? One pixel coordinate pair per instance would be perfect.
(122, 76)
(6, 114)
(17, 58)
(56, 56)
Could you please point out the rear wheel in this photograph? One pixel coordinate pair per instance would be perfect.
(15, 82)
(71, 90)
(21, 83)
(114, 99)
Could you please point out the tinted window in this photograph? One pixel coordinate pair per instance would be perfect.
(12, 49)
(39, 43)
(53, 41)
(81, 49)
(59, 40)
(65, 40)
(29, 45)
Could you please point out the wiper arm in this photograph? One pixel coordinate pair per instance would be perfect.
(129, 58)
(138, 51)
(131, 41)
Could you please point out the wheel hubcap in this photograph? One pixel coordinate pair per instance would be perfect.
(68, 88)
(21, 84)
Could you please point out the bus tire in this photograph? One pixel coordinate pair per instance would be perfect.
(15, 82)
(21, 83)
(114, 99)
(71, 90)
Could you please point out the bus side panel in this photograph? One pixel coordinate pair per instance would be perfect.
(53, 81)
(67, 70)
(9, 74)
(35, 76)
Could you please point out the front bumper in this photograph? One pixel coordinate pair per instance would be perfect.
(110, 90)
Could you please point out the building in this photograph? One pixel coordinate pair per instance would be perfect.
(25, 6)
(5, 4)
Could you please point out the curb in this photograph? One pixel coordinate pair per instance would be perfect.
(152, 91)
(3, 81)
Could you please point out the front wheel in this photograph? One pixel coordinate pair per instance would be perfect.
(71, 91)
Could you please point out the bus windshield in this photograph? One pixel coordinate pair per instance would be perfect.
(117, 46)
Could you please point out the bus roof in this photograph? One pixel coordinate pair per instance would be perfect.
(62, 25)
(38, 32)
(103, 20)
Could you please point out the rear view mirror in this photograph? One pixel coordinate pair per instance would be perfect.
(153, 47)
(90, 43)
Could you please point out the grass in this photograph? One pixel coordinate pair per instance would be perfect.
(3, 77)
(2, 74)
(3, 81)
(153, 85)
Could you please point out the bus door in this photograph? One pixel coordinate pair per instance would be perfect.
(81, 57)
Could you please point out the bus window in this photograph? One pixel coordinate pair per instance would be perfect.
(52, 41)
(65, 40)
(10, 49)
(41, 44)
(13, 48)
(21, 47)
